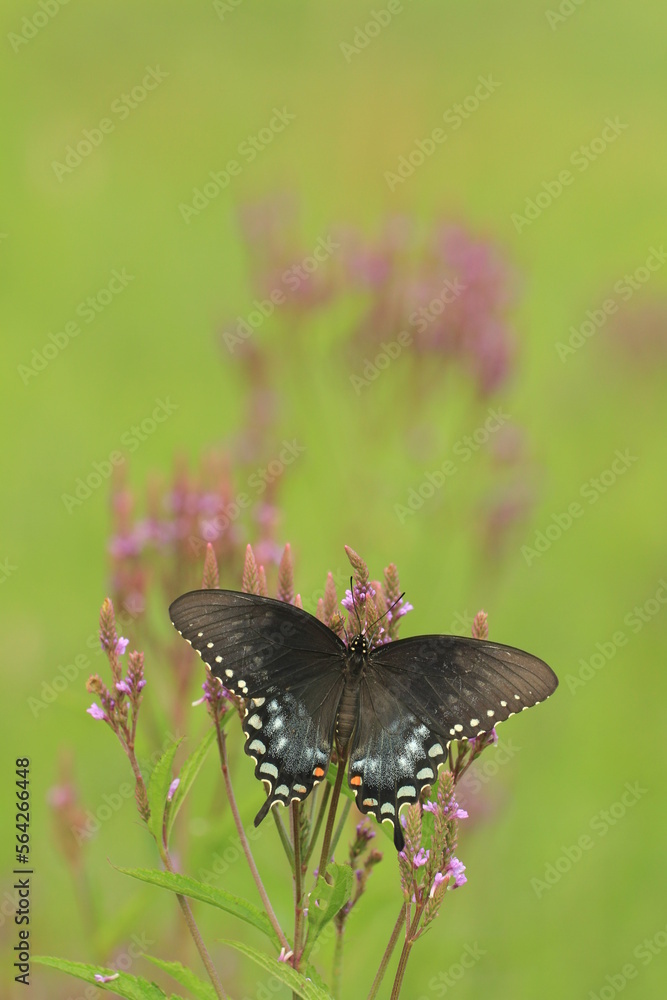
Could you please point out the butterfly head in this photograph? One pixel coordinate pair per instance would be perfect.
(359, 645)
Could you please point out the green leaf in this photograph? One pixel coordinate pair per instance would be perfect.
(190, 887)
(186, 977)
(311, 973)
(130, 987)
(158, 786)
(191, 767)
(297, 982)
(327, 898)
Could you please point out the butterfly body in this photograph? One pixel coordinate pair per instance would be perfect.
(347, 711)
(390, 711)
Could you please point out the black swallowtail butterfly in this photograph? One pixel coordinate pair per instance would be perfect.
(391, 711)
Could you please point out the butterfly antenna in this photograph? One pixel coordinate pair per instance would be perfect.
(378, 620)
(354, 605)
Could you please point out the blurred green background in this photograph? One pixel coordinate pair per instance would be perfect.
(561, 76)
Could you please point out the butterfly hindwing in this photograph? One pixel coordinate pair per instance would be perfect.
(289, 735)
(289, 668)
(394, 754)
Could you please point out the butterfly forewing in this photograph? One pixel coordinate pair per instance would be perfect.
(462, 687)
(289, 667)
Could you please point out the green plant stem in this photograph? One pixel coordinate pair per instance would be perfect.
(341, 825)
(298, 875)
(194, 931)
(337, 969)
(326, 792)
(410, 939)
(388, 952)
(284, 839)
(222, 749)
(335, 795)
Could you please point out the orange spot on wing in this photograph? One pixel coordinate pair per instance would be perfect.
(356, 781)
(319, 772)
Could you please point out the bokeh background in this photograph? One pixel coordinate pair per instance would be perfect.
(592, 602)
